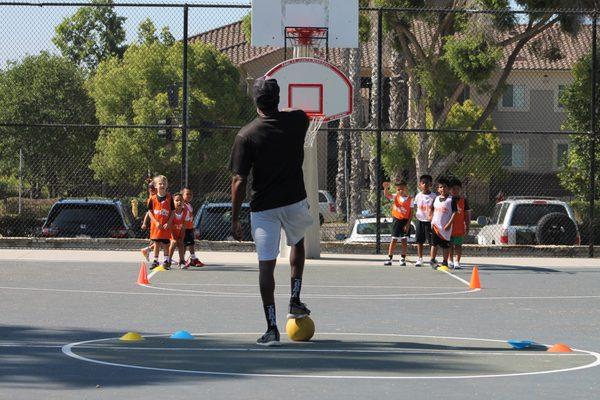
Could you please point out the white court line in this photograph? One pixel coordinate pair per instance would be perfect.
(458, 278)
(68, 350)
(391, 297)
(304, 286)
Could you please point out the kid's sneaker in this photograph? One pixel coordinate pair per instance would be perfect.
(270, 338)
(403, 262)
(433, 264)
(450, 264)
(183, 265)
(196, 263)
(419, 262)
(388, 262)
(154, 265)
(167, 265)
(456, 265)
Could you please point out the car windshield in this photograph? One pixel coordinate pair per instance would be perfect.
(530, 214)
(86, 214)
(369, 228)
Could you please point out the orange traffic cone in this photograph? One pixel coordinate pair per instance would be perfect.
(143, 275)
(475, 284)
(560, 348)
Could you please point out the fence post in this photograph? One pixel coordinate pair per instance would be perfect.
(184, 108)
(20, 180)
(593, 138)
(379, 127)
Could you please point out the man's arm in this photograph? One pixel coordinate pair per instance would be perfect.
(238, 193)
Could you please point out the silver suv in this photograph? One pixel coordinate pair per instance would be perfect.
(523, 220)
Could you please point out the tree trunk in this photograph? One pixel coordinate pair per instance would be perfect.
(417, 120)
(340, 177)
(374, 114)
(356, 121)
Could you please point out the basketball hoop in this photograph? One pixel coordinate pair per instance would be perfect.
(313, 128)
(306, 36)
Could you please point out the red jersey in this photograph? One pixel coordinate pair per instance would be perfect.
(179, 221)
(162, 212)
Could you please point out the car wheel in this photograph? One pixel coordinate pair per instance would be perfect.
(556, 229)
(321, 219)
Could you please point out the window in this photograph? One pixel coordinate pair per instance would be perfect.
(514, 96)
(561, 90)
(561, 154)
(513, 155)
(530, 214)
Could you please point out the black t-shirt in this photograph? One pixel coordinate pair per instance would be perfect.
(272, 147)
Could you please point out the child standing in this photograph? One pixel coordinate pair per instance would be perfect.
(401, 213)
(461, 225)
(151, 191)
(423, 203)
(180, 214)
(188, 239)
(160, 208)
(443, 213)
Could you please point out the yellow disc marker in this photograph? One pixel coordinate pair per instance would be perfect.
(300, 329)
(443, 268)
(131, 337)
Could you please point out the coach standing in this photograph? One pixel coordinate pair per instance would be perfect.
(272, 147)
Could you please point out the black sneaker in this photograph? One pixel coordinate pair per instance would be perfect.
(270, 338)
(433, 264)
(167, 265)
(388, 262)
(154, 265)
(403, 262)
(298, 309)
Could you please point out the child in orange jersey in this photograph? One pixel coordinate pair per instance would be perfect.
(188, 239)
(160, 208)
(145, 222)
(401, 213)
(180, 214)
(461, 224)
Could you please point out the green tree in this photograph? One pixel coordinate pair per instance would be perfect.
(92, 34)
(46, 89)
(132, 90)
(461, 50)
(575, 173)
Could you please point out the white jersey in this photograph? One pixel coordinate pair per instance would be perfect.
(442, 212)
(189, 218)
(423, 203)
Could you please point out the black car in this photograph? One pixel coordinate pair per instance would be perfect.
(213, 222)
(94, 218)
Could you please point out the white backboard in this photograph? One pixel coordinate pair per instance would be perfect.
(271, 17)
(315, 86)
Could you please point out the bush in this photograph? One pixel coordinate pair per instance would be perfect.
(581, 209)
(23, 225)
(37, 208)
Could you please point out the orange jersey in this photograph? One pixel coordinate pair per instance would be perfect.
(179, 221)
(161, 211)
(458, 226)
(189, 219)
(402, 209)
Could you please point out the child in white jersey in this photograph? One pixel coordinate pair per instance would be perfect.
(423, 203)
(443, 212)
(401, 213)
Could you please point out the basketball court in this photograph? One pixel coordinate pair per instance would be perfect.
(379, 329)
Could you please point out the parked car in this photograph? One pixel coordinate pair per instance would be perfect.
(519, 220)
(365, 228)
(213, 222)
(327, 212)
(94, 218)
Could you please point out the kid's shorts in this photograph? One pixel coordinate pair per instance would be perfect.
(423, 233)
(163, 241)
(188, 239)
(436, 240)
(398, 228)
(457, 240)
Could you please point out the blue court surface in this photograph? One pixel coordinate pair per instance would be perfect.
(398, 332)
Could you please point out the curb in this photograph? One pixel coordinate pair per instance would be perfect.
(469, 250)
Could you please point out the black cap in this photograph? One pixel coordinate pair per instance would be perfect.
(266, 93)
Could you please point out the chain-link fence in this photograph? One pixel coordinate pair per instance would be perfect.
(96, 98)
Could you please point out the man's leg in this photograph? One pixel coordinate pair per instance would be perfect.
(297, 309)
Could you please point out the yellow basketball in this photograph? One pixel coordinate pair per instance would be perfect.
(300, 329)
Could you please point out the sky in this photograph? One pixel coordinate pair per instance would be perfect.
(30, 29)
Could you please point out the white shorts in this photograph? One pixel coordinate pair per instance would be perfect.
(267, 225)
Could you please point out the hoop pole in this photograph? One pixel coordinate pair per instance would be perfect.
(379, 127)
